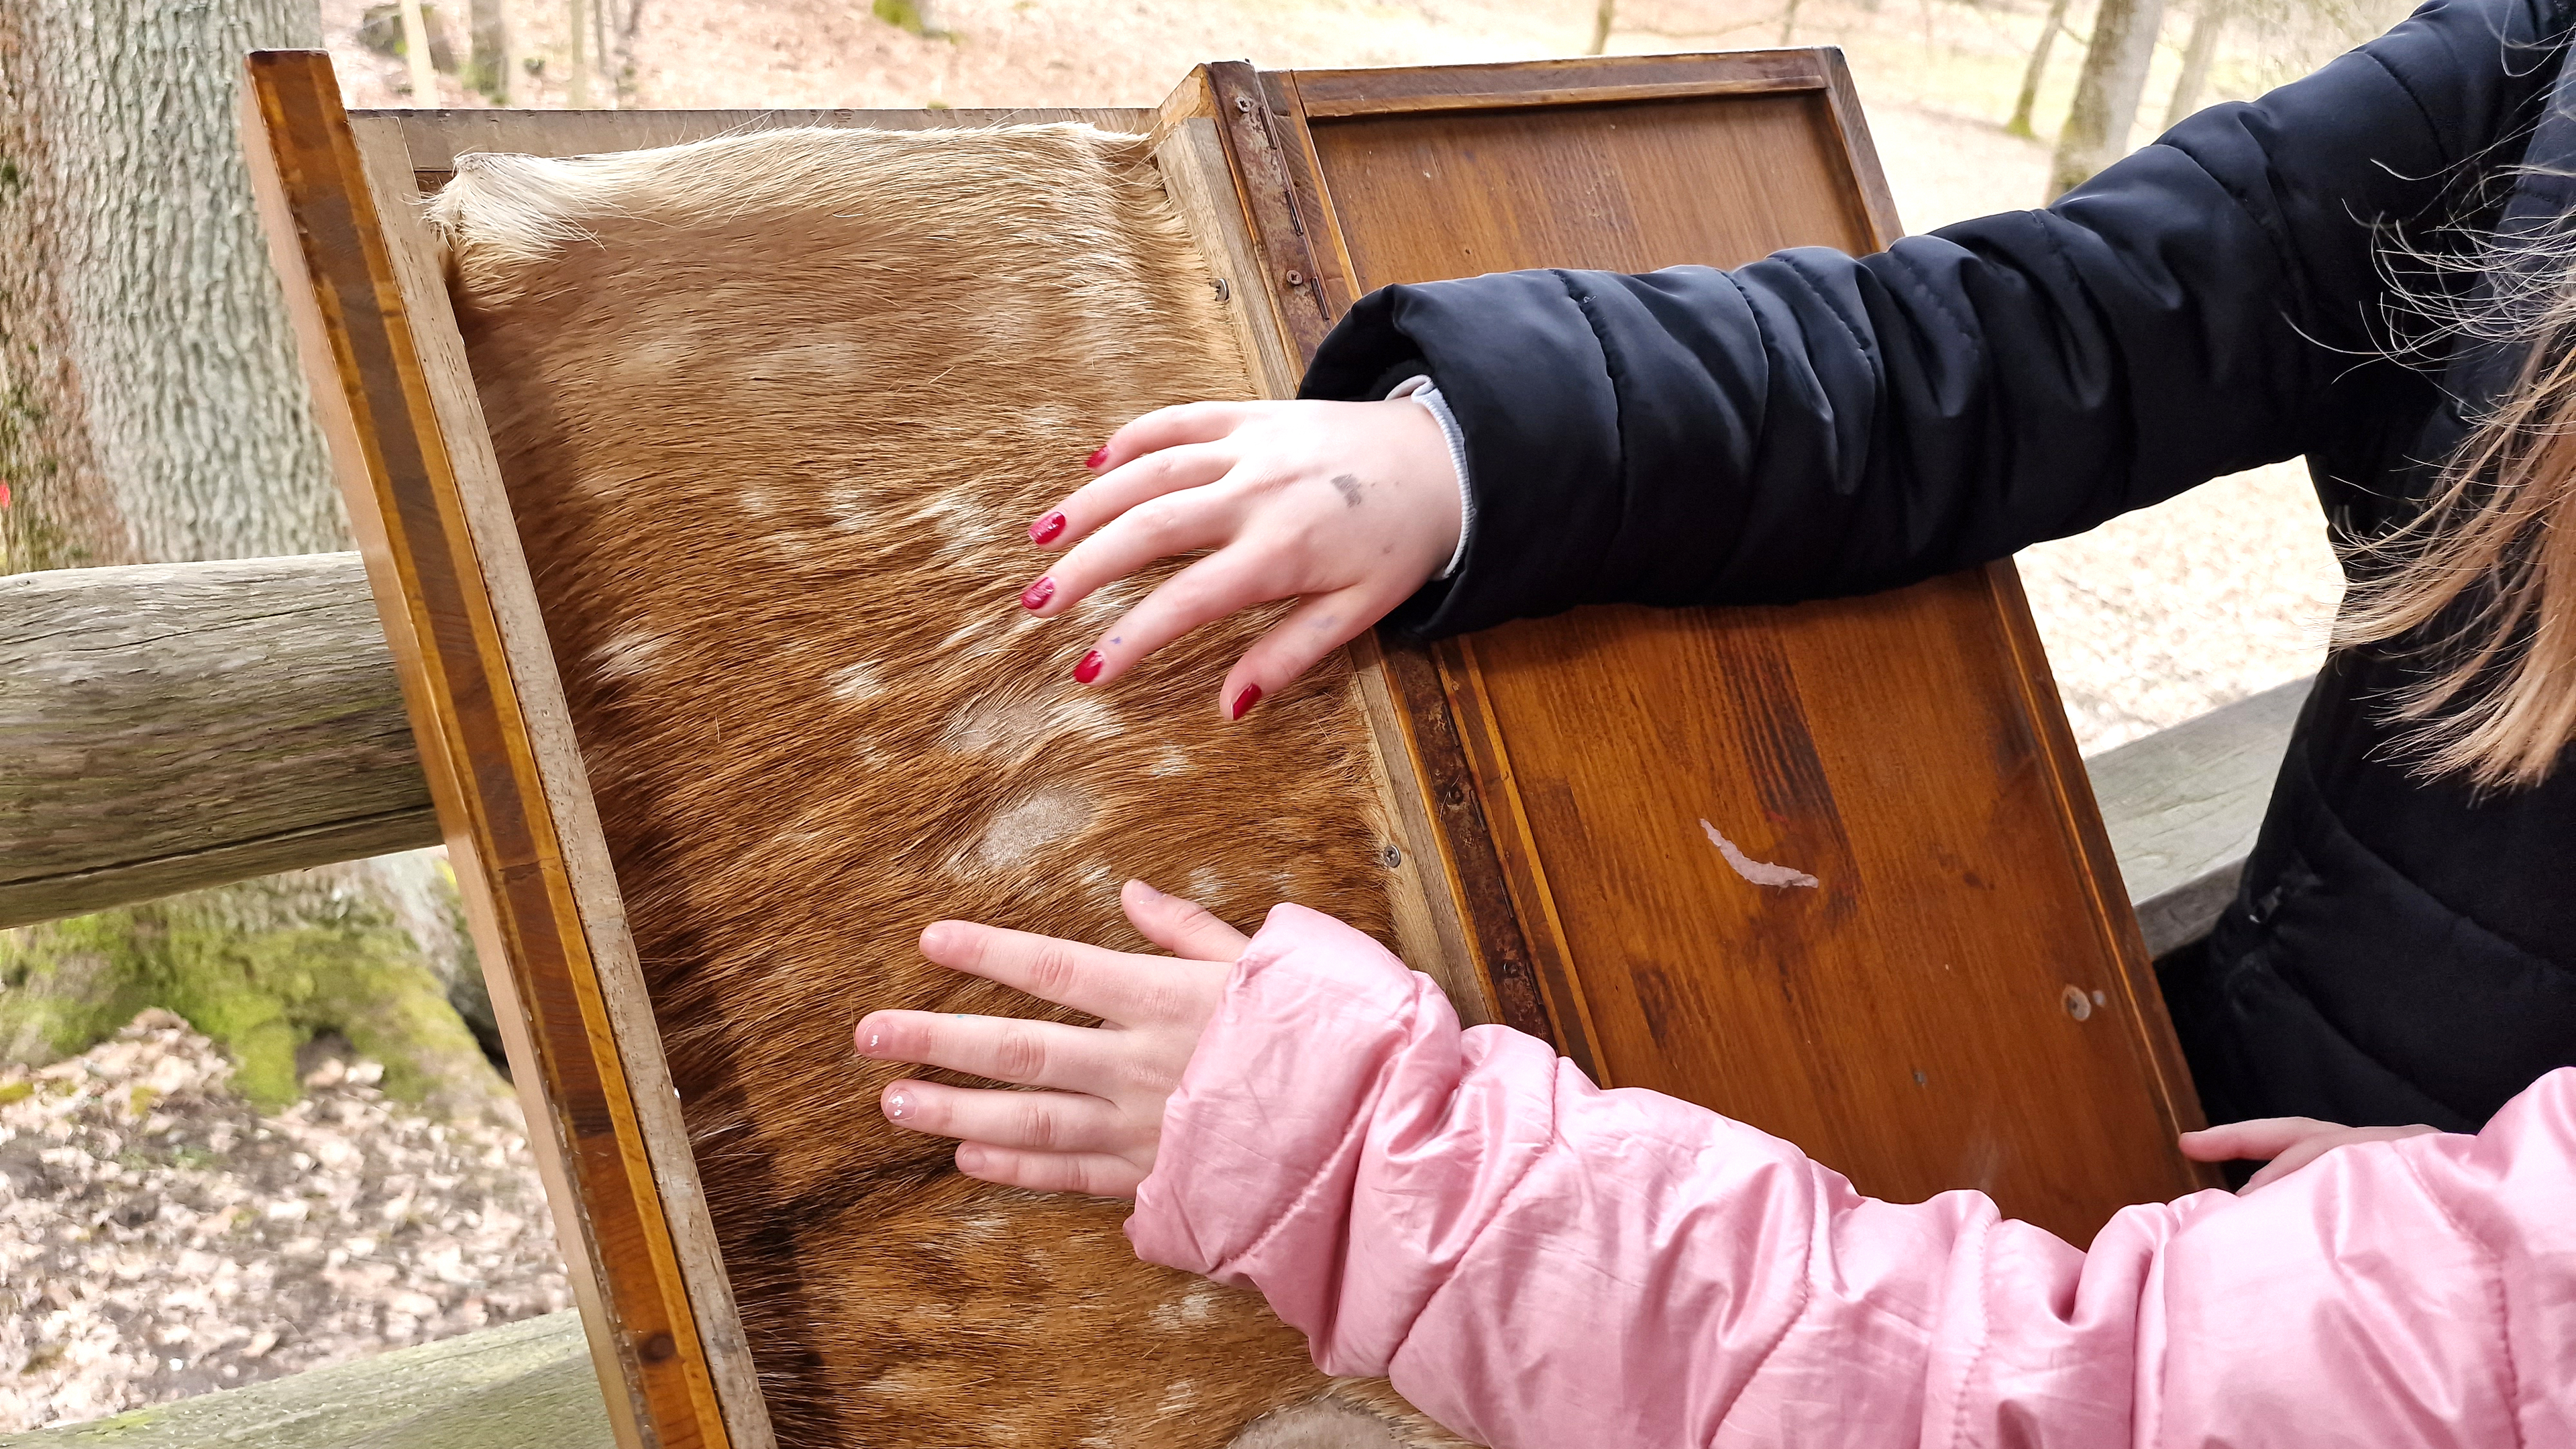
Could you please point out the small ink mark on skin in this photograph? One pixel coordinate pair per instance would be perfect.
(1761, 873)
(1348, 485)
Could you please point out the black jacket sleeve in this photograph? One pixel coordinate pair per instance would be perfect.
(1815, 424)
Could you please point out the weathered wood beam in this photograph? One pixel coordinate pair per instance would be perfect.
(2182, 807)
(524, 1384)
(164, 728)
(172, 727)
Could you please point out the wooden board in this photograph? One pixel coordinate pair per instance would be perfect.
(1961, 1002)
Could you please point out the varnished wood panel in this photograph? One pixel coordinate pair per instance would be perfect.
(1962, 1000)
(414, 463)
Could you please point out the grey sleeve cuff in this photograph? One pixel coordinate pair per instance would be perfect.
(1421, 389)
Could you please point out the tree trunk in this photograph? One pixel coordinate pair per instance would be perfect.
(2107, 93)
(488, 71)
(417, 56)
(2019, 125)
(1789, 23)
(2206, 23)
(1602, 15)
(151, 411)
(577, 67)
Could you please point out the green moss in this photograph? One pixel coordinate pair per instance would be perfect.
(261, 968)
(16, 1092)
(901, 14)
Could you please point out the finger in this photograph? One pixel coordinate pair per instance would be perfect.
(1108, 984)
(1002, 1048)
(1093, 1173)
(1183, 927)
(1297, 643)
(1173, 523)
(1035, 1121)
(1120, 491)
(2309, 1150)
(1174, 427)
(1206, 591)
(2252, 1140)
(2292, 1158)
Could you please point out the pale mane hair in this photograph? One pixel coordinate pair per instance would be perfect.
(774, 413)
(2481, 584)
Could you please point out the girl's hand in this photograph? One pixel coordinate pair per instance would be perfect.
(2290, 1142)
(1346, 507)
(1096, 1131)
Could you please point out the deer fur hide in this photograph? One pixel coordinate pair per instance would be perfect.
(774, 412)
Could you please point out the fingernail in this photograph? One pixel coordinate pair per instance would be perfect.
(875, 1039)
(1098, 456)
(1045, 529)
(1148, 890)
(1089, 669)
(897, 1103)
(1251, 696)
(1035, 595)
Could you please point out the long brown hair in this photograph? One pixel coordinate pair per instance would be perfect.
(2492, 558)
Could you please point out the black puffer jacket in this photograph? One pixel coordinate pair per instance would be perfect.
(1817, 424)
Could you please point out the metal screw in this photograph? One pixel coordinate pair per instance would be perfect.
(1296, 279)
(2078, 1005)
(1243, 104)
(1390, 857)
(1222, 290)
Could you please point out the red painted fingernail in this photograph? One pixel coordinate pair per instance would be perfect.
(1251, 696)
(1089, 669)
(1098, 456)
(1036, 595)
(1045, 529)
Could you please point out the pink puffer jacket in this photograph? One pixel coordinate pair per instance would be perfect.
(1537, 1262)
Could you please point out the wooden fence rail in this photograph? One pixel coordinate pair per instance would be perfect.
(170, 727)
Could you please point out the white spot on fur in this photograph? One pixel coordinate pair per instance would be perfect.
(857, 682)
(1170, 760)
(991, 726)
(1189, 1311)
(758, 501)
(960, 523)
(1761, 873)
(629, 655)
(1205, 885)
(1087, 714)
(1180, 1395)
(1036, 822)
(1319, 1424)
(847, 507)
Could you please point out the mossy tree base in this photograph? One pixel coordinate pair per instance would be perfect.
(263, 968)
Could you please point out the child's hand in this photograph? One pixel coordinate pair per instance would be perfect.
(1096, 1132)
(1347, 507)
(2290, 1142)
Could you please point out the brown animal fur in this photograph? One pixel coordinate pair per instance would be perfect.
(774, 412)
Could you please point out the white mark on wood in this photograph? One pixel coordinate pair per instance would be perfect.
(1022, 830)
(1760, 872)
(628, 655)
(857, 682)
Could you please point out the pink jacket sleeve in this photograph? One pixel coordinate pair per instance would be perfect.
(1537, 1262)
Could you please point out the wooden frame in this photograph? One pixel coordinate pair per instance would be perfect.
(1283, 215)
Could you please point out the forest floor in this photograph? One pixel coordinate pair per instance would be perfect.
(159, 1238)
